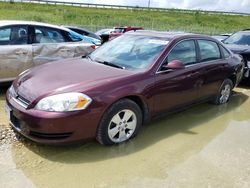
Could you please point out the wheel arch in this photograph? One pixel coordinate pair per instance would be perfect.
(142, 104)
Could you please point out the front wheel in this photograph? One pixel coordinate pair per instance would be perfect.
(224, 92)
(120, 123)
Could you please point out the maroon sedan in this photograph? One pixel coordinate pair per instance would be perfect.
(109, 94)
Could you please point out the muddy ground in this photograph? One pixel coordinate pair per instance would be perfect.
(205, 146)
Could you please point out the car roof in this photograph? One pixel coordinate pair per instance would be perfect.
(75, 27)
(124, 27)
(168, 34)
(18, 22)
(244, 31)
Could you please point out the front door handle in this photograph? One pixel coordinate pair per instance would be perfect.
(192, 74)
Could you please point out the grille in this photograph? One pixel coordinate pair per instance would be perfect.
(23, 100)
(18, 99)
(50, 136)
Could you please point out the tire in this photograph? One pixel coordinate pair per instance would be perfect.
(120, 122)
(224, 92)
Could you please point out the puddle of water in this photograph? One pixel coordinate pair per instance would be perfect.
(204, 146)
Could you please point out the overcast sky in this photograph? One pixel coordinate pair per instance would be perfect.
(221, 5)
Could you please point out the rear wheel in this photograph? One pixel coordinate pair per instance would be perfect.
(224, 92)
(120, 123)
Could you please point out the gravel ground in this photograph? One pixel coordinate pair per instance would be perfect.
(205, 146)
(8, 135)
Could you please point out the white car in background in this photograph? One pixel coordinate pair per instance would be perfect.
(25, 44)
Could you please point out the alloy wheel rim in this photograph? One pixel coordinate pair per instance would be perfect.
(225, 93)
(122, 126)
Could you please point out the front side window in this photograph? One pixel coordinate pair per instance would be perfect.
(14, 35)
(184, 52)
(209, 50)
(48, 35)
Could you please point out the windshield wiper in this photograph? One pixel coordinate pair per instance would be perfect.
(87, 56)
(110, 64)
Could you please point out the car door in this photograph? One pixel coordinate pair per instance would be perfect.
(15, 51)
(176, 88)
(49, 44)
(213, 65)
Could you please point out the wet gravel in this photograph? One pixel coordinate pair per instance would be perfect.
(8, 135)
(205, 146)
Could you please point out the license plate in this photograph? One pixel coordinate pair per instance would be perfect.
(8, 111)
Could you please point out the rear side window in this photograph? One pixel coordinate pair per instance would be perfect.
(48, 35)
(185, 52)
(14, 35)
(5, 36)
(209, 50)
(225, 52)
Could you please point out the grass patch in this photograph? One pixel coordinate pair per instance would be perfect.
(97, 18)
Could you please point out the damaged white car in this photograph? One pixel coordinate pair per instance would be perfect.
(26, 44)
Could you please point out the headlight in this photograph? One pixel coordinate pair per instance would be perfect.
(12, 92)
(64, 102)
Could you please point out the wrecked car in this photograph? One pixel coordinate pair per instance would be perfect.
(109, 94)
(27, 44)
(84, 32)
(118, 31)
(239, 43)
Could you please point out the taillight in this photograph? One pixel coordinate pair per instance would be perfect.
(93, 46)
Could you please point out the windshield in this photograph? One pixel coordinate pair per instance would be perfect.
(240, 38)
(130, 51)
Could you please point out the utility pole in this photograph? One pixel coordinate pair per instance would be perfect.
(148, 3)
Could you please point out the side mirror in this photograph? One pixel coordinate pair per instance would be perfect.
(173, 65)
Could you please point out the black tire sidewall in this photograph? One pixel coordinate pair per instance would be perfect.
(102, 131)
(224, 83)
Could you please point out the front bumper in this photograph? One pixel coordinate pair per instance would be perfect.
(53, 127)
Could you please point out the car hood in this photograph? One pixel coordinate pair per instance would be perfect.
(76, 75)
(238, 49)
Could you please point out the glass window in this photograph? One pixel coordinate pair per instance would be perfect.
(185, 52)
(48, 35)
(208, 50)
(130, 51)
(119, 30)
(14, 35)
(240, 38)
(225, 52)
(75, 37)
(5, 36)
